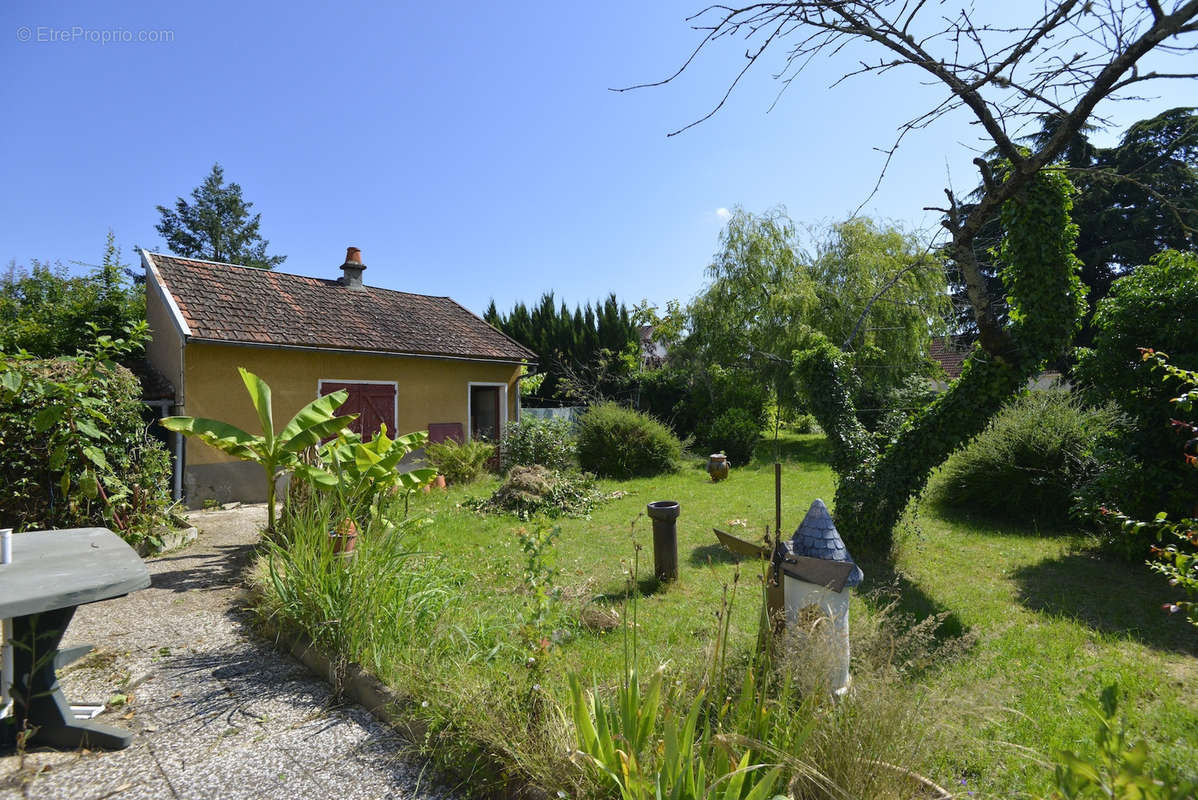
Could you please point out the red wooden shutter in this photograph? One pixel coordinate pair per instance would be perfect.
(374, 403)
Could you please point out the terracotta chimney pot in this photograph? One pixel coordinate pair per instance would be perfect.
(351, 270)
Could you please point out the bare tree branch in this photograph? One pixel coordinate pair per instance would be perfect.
(1074, 55)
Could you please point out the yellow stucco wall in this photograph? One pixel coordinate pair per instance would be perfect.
(163, 350)
(429, 390)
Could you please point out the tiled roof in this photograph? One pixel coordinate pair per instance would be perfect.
(951, 352)
(228, 303)
(817, 537)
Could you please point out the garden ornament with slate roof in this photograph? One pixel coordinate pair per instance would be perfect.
(813, 603)
(810, 576)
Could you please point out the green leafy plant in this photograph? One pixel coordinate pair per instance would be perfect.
(1119, 771)
(616, 442)
(75, 446)
(734, 433)
(50, 313)
(641, 746)
(538, 543)
(1176, 555)
(547, 442)
(460, 462)
(1150, 307)
(689, 397)
(363, 475)
(275, 453)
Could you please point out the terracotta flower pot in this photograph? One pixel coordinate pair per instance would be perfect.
(439, 481)
(344, 538)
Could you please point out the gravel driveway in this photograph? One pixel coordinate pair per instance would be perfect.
(218, 712)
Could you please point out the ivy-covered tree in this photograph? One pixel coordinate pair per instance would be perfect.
(49, 312)
(1004, 72)
(1134, 200)
(1047, 300)
(216, 225)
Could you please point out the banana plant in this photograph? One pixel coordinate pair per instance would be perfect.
(362, 473)
(275, 453)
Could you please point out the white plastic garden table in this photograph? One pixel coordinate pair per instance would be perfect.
(52, 573)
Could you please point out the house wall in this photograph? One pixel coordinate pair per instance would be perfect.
(164, 350)
(429, 390)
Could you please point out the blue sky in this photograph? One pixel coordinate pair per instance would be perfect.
(475, 152)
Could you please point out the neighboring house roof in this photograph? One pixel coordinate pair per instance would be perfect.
(243, 305)
(951, 352)
(653, 351)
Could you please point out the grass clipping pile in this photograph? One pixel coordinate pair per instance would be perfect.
(539, 490)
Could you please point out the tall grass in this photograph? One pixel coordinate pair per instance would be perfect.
(760, 727)
(366, 606)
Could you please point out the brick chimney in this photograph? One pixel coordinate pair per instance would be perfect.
(351, 270)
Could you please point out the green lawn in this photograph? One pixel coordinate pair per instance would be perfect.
(1031, 623)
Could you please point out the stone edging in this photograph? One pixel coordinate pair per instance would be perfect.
(383, 702)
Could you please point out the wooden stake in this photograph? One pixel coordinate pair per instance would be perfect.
(778, 500)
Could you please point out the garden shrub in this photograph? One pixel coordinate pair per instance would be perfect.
(75, 451)
(804, 423)
(548, 442)
(689, 400)
(616, 442)
(734, 433)
(462, 462)
(1030, 460)
(536, 489)
(1153, 307)
(383, 601)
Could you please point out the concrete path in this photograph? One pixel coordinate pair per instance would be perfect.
(218, 712)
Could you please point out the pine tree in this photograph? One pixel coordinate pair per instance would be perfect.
(217, 226)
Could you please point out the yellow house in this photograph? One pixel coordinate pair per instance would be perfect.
(409, 361)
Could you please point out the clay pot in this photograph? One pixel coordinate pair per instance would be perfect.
(718, 466)
(439, 481)
(344, 537)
